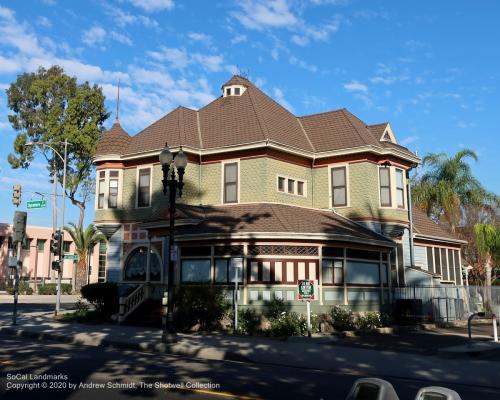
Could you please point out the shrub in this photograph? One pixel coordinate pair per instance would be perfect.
(386, 319)
(342, 318)
(288, 324)
(103, 296)
(275, 308)
(369, 321)
(51, 288)
(24, 288)
(202, 305)
(248, 321)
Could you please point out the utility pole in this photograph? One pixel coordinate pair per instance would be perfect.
(61, 247)
(54, 210)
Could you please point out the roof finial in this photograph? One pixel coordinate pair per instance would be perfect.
(118, 103)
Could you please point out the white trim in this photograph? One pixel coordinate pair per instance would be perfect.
(388, 130)
(347, 185)
(223, 178)
(295, 186)
(151, 169)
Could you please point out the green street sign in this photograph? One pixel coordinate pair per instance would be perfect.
(36, 204)
(71, 256)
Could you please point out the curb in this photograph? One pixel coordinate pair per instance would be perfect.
(203, 353)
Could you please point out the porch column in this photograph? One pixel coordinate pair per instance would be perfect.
(148, 261)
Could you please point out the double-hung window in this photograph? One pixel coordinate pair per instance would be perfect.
(385, 186)
(400, 189)
(144, 188)
(113, 189)
(339, 186)
(101, 189)
(231, 182)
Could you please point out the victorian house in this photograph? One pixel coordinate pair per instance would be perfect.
(322, 197)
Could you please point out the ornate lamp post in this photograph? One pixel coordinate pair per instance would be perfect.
(172, 184)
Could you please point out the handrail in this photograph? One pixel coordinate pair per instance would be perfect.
(132, 301)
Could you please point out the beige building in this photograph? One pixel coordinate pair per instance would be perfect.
(36, 257)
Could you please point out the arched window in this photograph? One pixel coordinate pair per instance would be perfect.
(135, 265)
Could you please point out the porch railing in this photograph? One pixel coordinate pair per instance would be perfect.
(132, 301)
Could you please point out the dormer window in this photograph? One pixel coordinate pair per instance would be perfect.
(233, 90)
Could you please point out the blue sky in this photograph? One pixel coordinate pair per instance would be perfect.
(432, 69)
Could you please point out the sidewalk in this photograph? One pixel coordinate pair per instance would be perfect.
(315, 353)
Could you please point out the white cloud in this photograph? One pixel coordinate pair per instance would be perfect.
(94, 36)
(122, 18)
(239, 39)
(199, 37)
(44, 21)
(9, 65)
(121, 38)
(153, 5)
(302, 64)
(280, 98)
(178, 58)
(211, 63)
(355, 86)
(465, 125)
(409, 140)
(262, 14)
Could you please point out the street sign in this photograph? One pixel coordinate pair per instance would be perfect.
(174, 254)
(71, 256)
(307, 289)
(36, 204)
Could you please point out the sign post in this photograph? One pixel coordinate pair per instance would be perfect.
(307, 292)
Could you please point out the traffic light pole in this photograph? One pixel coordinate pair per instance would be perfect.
(16, 283)
(61, 247)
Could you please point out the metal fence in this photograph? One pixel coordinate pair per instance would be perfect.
(444, 303)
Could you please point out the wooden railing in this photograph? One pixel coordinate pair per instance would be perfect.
(132, 301)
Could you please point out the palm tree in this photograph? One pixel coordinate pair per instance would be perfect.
(85, 241)
(448, 186)
(488, 244)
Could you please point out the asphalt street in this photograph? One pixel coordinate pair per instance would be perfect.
(140, 375)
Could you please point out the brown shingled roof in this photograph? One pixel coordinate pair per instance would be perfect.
(272, 218)
(113, 141)
(178, 127)
(251, 117)
(425, 226)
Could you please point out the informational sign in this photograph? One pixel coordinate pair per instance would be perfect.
(237, 267)
(71, 256)
(36, 204)
(307, 289)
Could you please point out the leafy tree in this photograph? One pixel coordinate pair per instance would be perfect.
(50, 106)
(448, 187)
(488, 244)
(85, 240)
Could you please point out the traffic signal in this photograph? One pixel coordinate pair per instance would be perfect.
(16, 195)
(56, 243)
(19, 226)
(56, 265)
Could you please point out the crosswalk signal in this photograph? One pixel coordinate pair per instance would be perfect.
(56, 243)
(16, 195)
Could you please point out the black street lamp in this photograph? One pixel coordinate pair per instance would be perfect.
(172, 183)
